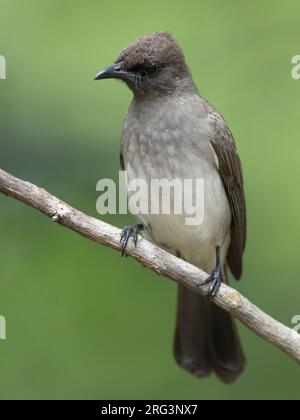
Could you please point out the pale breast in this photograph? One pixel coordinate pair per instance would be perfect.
(160, 148)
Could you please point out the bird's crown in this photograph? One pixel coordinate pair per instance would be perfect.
(158, 49)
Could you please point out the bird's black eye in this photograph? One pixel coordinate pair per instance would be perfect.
(152, 70)
(145, 69)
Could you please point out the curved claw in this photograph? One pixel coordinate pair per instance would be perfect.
(216, 277)
(128, 232)
(215, 280)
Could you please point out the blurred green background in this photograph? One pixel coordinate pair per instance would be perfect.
(81, 322)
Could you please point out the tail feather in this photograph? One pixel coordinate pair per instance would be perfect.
(227, 354)
(206, 339)
(191, 347)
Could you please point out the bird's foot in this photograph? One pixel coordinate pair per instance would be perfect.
(128, 232)
(216, 277)
(215, 280)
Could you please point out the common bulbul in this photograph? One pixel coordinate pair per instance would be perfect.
(171, 132)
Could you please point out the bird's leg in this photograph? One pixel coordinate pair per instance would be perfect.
(215, 279)
(128, 232)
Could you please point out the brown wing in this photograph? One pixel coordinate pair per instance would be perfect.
(230, 169)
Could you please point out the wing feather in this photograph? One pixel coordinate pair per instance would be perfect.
(230, 168)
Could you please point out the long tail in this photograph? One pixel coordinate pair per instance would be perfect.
(206, 339)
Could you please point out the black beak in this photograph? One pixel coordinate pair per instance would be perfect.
(113, 72)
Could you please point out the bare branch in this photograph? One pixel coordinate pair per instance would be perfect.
(155, 258)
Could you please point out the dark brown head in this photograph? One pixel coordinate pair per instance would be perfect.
(152, 64)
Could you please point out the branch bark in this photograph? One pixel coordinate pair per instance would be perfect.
(155, 258)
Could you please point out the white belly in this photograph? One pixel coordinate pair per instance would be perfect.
(194, 243)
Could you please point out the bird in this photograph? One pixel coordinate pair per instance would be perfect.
(171, 132)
